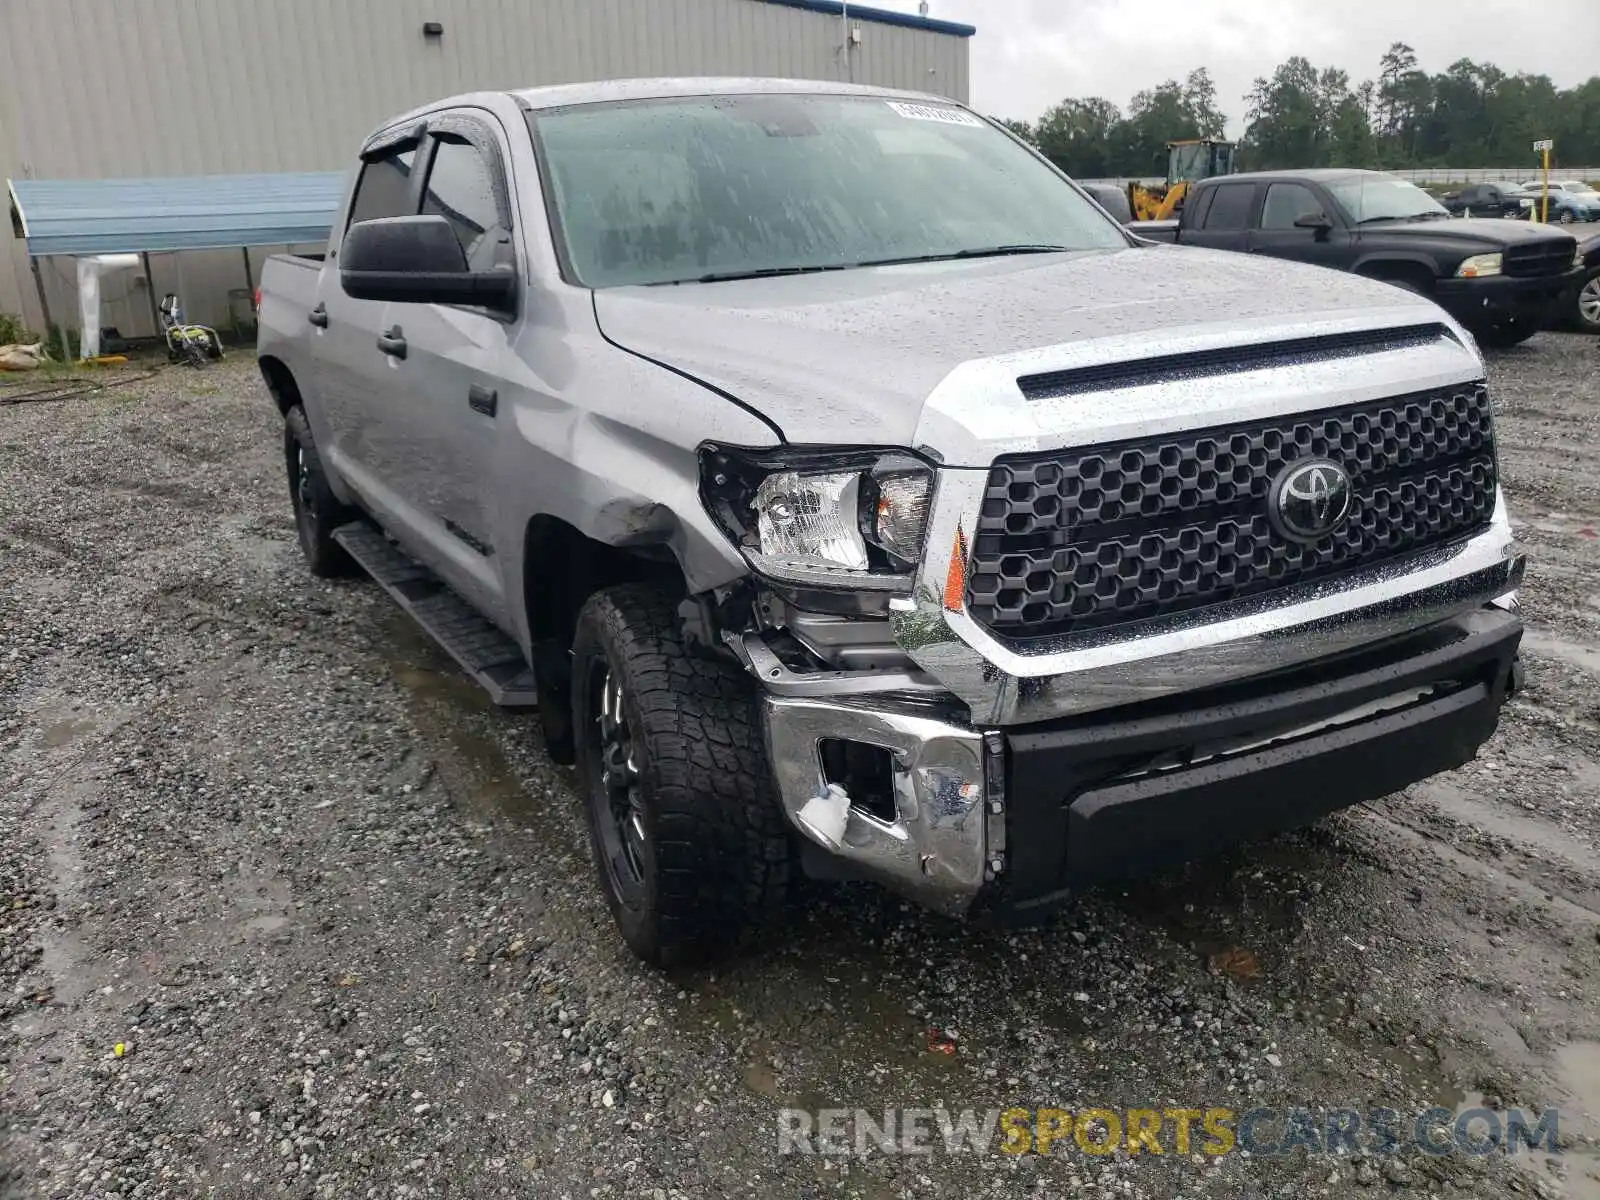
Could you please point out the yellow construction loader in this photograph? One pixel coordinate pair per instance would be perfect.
(1188, 161)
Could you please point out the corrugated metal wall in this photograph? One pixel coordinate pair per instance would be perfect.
(90, 88)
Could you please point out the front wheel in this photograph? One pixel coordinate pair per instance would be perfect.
(1587, 311)
(691, 847)
(1512, 331)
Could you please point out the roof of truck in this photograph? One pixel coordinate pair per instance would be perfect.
(613, 90)
(1315, 174)
(605, 90)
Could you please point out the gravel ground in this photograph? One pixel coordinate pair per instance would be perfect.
(287, 910)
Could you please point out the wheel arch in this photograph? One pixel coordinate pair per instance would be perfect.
(561, 567)
(280, 383)
(1416, 267)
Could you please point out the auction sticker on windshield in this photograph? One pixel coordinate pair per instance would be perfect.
(929, 112)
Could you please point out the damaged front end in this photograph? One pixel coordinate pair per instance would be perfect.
(987, 684)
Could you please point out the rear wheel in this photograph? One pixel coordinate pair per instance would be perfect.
(317, 511)
(691, 848)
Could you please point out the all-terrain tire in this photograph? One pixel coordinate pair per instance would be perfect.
(317, 511)
(714, 857)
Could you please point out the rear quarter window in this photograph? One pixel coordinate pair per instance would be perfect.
(1194, 214)
(1230, 207)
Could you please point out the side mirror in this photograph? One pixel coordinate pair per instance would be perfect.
(1315, 220)
(417, 260)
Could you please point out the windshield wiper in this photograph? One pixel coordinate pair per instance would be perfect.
(977, 252)
(757, 273)
(773, 272)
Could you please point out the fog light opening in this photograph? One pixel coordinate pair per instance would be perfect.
(864, 771)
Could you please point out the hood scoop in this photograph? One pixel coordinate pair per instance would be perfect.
(1200, 364)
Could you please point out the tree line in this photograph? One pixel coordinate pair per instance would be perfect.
(1471, 115)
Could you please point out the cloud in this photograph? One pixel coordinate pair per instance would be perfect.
(1030, 53)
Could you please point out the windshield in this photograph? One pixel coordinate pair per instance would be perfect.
(1379, 198)
(669, 191)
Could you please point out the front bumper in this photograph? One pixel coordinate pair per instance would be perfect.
(1011, 819)
(1474, 302)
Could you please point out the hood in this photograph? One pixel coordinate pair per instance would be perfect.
(850, 357)
(1470, 233)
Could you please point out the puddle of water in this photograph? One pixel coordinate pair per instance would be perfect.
(63, 732)
(1576, 654)
(451, 704)
(1516, 827)
(1576, 1171)
(1579, 1064)
(1564, 522)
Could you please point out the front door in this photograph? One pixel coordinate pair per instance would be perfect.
(351, 371)
(457, 361)
(1276, 233)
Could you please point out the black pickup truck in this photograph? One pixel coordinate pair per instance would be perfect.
(1489, 200)
(1498, 278)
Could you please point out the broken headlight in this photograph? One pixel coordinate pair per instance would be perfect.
(852, 519)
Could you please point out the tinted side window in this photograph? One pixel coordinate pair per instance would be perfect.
(384, 189)
(1194, 212)
(1231, 208)
(1285, 202)
(461, 189)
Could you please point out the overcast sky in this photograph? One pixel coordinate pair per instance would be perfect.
(1030, 53)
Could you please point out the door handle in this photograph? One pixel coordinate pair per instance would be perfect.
(392, 342)
(484, 400)
(318, 316)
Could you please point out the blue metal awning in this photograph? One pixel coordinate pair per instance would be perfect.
(196, 212)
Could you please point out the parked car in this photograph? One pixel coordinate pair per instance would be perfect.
(1111, 198)
(1582, 311)
(850, 495)
(1488, 200)
(1566, 205)
(1498, 278)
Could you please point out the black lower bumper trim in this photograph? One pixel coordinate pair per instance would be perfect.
(1112, 797)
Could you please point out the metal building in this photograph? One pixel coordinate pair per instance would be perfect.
(149, 88)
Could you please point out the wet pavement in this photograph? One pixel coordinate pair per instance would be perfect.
(339, 914)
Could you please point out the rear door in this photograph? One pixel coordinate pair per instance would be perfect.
(1276, 233)
(1223, 221)
(351, 371)
(445, 409)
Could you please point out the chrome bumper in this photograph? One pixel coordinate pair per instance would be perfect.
(948, 835)
(940, 847)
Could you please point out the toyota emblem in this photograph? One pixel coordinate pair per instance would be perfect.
(1309, 499)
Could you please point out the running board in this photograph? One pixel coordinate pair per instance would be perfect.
(483, 651)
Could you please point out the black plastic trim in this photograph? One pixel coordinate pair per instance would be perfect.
(1078, 810)
(1229, 360)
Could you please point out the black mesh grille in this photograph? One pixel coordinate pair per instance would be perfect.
(1084, 539)
(1550, 257)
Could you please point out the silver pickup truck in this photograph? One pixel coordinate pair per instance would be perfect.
(852, 496)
